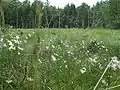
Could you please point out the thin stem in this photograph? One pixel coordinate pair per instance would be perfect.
(113, 87)
(102, 75)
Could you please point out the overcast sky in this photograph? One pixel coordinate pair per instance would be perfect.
(62, 3)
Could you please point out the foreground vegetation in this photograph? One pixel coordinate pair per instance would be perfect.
(60, 59)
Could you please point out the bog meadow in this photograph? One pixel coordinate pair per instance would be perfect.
(44, 47)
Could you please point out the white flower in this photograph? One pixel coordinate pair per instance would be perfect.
(95, 44)
(43, 40)
(29, 35)
(39, 60)
(53, 46)
(25, 41)
(65, 61)
(56, 54)
(66, 66)
(1, 39)
(20, 42)
(104, 82)
(16, 41)
(53, 57)
(101, 41)
(1, 44)
(69, 52)
(2, 35)
(83, 46)
(17, 37)
(93, 60)
(98, 43)
(114, 58)
(61, 41)
(50, 40)
(9, 81)
(83, 41)
(83, 70)
(79, 61)
(67, 45)
(18, 53)
(72, 82)
(30, 79)
(11, 26)
(26, 37)
(20, 48)
(47, 47)
(75, 58)
(60, 66)
(88, 51)
(100, 66)
(10, 43)
(33, 32)
(4, 45)
(106, 49)
(115, 63)
(103, 46)
(11, 48)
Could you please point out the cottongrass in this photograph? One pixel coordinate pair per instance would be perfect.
(9, 81)
(113, 87)
(114, 63)
(74, 66)
(30, 79)
(40, 61)
(53, 58)
(83, 70)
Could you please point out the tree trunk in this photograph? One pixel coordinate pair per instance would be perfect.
(59, 20)
(2, 17)
(88, 19)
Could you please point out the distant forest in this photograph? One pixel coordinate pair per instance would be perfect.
(105, 14)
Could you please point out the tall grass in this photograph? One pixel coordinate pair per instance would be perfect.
(60, 59)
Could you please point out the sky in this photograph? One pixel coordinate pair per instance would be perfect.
(62, 3)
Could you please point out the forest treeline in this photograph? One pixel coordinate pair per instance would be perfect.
(105, 14)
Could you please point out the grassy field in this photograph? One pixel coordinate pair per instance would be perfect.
(60, 59)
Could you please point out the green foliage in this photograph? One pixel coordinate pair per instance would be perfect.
(38, 13)
(83, 15)
(104, 14)
(5, 29)
(114, 13)
(2, 22)
(30, 15)
(58, 59)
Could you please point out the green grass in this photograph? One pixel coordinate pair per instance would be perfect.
(61, 59)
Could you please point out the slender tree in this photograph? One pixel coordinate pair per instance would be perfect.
(2, 22)
(114, 13)
(38, 13)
